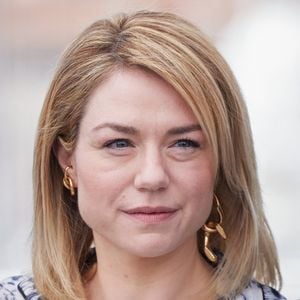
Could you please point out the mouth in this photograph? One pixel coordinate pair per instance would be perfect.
(151, 215)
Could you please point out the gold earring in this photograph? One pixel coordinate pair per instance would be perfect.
(68, 182)
(211, 227)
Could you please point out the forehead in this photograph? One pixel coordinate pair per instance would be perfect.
(133, 95)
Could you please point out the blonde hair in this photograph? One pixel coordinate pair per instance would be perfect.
(177, 51)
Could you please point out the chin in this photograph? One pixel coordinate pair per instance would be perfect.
(151, 247)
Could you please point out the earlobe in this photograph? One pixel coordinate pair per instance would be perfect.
(65, 158)
(68, 182)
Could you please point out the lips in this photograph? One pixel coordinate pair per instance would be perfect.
(151, 215)
(150, 210)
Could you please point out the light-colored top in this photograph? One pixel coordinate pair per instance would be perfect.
(22, 287)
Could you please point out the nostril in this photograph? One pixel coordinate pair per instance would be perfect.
(151, 182)
(151, 173)
(151, 186)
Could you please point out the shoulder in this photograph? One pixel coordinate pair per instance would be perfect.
(18, 287)
(256, 290)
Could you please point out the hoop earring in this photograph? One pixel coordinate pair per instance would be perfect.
(211, 227)
(68, 182)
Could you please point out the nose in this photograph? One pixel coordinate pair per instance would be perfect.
(151, 173)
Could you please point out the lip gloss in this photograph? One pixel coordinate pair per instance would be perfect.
(151, 214)
(152, 218)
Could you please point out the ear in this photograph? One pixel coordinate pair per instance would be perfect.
(65, 158)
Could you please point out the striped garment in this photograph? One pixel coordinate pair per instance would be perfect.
(22, 287)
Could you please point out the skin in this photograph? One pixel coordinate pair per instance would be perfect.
(140, 145)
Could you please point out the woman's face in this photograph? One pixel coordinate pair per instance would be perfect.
(142, 165)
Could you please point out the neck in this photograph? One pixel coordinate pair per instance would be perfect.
(182, 274)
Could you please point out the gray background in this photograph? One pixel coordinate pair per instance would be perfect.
(260, 40)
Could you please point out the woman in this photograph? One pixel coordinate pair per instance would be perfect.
(144, 174)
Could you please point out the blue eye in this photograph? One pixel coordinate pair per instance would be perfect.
(186, 143)
(118, 144)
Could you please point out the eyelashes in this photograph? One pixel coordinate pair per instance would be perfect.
(118, 144)
(123, 145)
(187, 143)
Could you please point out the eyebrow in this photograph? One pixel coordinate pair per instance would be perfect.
(133, 131)
(117, 127)
(184, 129)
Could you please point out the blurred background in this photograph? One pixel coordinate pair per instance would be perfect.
(259, 39)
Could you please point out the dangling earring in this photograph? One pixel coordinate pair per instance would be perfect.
(68, 182)
(212, 227)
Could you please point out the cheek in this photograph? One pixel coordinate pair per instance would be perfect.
(197, 179)
(100, 190)
(94, 190)
(197, 186)
(89, 200)
(93, 181)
